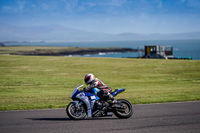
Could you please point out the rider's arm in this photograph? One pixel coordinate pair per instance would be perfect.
(93, 85)
(89, 87)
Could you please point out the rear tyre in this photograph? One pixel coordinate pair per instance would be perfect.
(76, 113)
(126, 111)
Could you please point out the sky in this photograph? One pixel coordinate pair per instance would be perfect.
(105, 16)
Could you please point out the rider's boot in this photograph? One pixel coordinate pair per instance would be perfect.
(112, 98)
(113, 101)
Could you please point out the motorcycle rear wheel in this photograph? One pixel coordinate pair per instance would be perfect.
(74, 113)
(126, 112)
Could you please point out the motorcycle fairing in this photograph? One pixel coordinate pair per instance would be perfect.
(95, 91)
(92, 99)
(92, 96)
(85, 99)
(74, 93)
(117, 91)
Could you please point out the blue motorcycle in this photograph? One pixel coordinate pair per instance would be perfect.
(90, 104)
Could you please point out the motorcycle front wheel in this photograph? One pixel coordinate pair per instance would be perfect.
(76, 113)
(126, 111)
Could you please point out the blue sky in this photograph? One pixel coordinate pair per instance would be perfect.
(105, 16)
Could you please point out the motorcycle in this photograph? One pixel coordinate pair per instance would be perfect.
(90, 104)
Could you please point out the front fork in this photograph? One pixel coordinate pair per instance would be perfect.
(77, 103)
(88, 107)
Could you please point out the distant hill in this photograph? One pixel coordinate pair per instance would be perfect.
(59, 33)
(134, 36)
(2, 44)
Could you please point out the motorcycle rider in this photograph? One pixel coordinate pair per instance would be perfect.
(96, 83)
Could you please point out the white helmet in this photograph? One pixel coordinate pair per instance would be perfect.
(89, 78)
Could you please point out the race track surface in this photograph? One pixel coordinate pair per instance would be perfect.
(162, 118)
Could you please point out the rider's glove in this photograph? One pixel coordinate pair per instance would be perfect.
(85, 89)
(88, 88)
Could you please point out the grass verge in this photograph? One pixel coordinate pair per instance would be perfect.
(36, 82)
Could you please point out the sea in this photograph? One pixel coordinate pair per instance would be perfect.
(181, 48)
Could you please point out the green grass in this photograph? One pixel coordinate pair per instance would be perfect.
(36, 82)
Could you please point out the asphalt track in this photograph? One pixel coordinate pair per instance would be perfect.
(162, 118)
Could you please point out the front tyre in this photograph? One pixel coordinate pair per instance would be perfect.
(125, 111)
(76, 113)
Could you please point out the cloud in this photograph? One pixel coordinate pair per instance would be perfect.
(182, 1)
(45, 6)
(116, 2)
(109, 16)
(91, 4)
(159, 4)
(6, 8)
(70, 5)
(33, 5)
(193, 3)
(21, 5)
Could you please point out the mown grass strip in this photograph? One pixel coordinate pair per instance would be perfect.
(35, 82)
